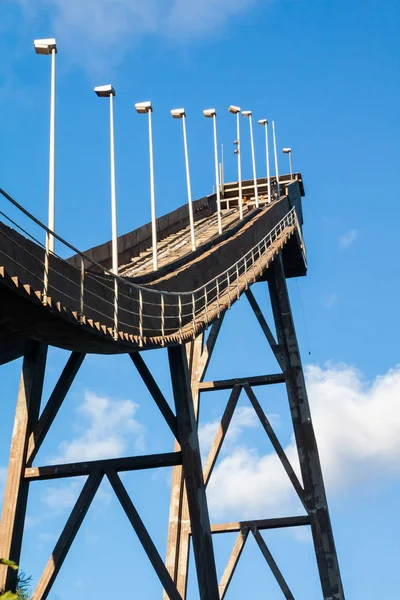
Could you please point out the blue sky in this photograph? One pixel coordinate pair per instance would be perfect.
(328, 74)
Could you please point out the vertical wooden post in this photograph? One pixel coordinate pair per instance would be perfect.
(314, 490)
(178, 547)
(193, 475)
(16, 493)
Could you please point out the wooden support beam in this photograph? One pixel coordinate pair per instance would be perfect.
(272, 564)
(16, 492)
(144, 537)
(209, 348)
(232, 563)
(178, 538)
(52, 407)
(276, 349)
(275, 443)
(196, 496)
(276, 523)
(221, 433)
(178, 545)
(133, 463)
(314, 489)
(70, 530)
(227, 384)
(155, 391)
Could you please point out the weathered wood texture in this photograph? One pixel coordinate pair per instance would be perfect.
(193, 475)
(314, 490)
(133, 463)
(17, 488)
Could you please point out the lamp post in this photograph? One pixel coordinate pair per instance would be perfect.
(179, 113)
(211, 113)
(144, 108)
(289, 151)
(49, 47)
(235, 110)
(249, 114)
(107, 91)
(276, 161)
(264, 123)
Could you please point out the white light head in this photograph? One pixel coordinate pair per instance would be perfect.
(45, 46)
(209, 113)
(246, 113)
(234, 109)
(263, 122)
(143, 107)
(178, 113)
(104, 91)
(286, 150)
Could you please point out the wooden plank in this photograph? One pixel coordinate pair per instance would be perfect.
(275, 443)
(144, 537)
(134, 463)
(16, 492)
(232, 563)
(67, 536)
(276, 523)
(155, 391)
(221, 433)
(196, 497)
(53, 405)
(272, 564)
(226, 384)
(175, 526)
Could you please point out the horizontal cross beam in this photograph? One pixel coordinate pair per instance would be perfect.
(277, 523)
(133, 463)
(228, 384)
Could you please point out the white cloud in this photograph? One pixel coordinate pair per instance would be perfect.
(203, 16)
(347, 239)
(243, 418)
(358, 431)
(107, 24)
(109, 426)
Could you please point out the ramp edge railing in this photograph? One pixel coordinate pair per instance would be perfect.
(142, 312)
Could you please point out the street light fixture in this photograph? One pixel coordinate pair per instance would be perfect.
(211, 113)
(179, 113)
(107, 91)
(264, 123)
(276, 161)
(235, 110)
(249, 114)
(144, 108)
(47, 47)
(289, 151)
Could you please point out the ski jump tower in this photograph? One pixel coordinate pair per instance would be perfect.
(80, 305)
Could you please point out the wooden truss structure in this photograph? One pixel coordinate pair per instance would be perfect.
(189, 518)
